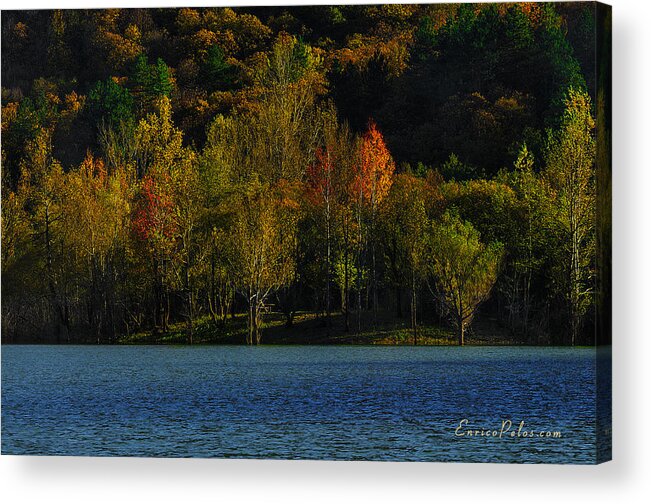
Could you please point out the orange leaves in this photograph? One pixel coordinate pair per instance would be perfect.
(95, 209)
(319, 177)
(361, 50)
(287, 194)
(93, 171)
(376, 167)
(74, 102)
(533, 11)
(153, 219)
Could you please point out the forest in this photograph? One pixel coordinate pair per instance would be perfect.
(413, 174)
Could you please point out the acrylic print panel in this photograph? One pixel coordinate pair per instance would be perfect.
(353, 232)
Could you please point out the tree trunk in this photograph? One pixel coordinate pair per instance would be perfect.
(374, 299)
(188, 300)
(359, 296)
(212, 293)
(249, 337)
(50, 274)
(257, 321)
(190, 318)
(328, 266)
(413, 307)
(359, 265)
(346, 283)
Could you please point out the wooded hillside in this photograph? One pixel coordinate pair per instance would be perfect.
(192, 166)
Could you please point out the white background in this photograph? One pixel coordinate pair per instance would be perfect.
(626, 479)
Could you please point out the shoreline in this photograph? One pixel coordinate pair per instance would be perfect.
(308, 329)
(194, 345)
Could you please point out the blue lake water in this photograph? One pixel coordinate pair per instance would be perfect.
(313, 402)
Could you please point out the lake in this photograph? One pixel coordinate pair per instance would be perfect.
(301, 402)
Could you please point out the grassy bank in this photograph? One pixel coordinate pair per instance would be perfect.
(312, 329)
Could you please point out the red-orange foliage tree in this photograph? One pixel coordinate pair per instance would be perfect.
(155, 226)
(320, 193)
(372, 184)
(376, 167)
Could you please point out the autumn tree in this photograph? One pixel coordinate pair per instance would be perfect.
(115, 44)
(281, 135)
(220, 277)
(464, 269)
(165, 213)
(21, 280)
(218, 164)
(157, 142)
(495, 211)
(525, 181)
(321, 193)
(287, 124)
(96, 215)
(570, 172)
(154, 226)
(266, 151)
(374, 180)
(43, 180)
(530, 239)
(342, 154)
(346, 197)
(327, 192)
(404, 225)
(25, 123)
(261, 256)
(188, 198)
